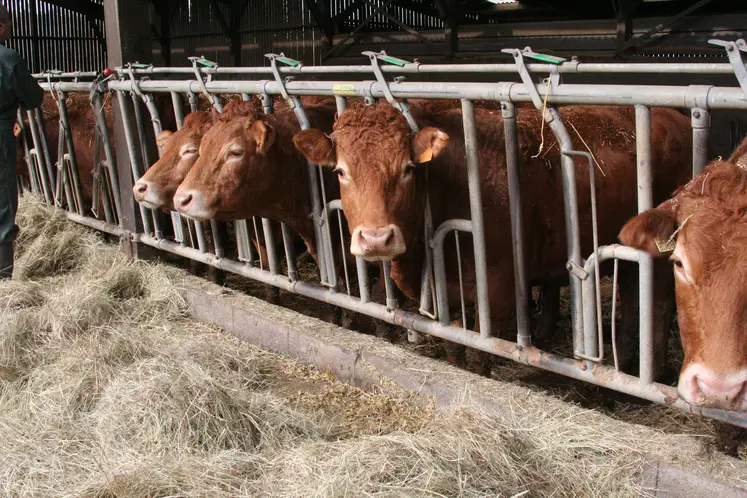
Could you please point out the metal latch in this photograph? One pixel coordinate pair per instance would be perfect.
(733, 50)
(202, 61)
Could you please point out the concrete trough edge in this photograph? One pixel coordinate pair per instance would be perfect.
(368, 363)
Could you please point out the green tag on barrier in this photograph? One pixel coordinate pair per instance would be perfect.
(393, 60)
(545, 58)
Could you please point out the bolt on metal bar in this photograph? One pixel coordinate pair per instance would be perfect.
(701, 125)
(476, 215)
(521, 287)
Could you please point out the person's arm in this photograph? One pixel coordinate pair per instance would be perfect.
(25, 86)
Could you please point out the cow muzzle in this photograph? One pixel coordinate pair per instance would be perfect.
(377, 244)
(191, 203)
(701, 386)
(148, 194)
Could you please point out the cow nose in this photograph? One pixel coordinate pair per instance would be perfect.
(376, 239)
(182, 201)
(140, 189)
(702, 386)
(715, 389)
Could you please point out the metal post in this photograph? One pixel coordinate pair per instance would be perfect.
(646, 313)
(643, 154)
(133, 153)
(478, 227)
(178, 111)
(524, 336)
(111, 164)
(43, 171)
(272, 258)
(39, 119)
(194, 102)
(290, 253)
(701, 123)
(65, 124)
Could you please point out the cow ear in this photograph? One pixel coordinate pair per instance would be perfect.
(17, 130)
(651, 231)
(164, 139)
(263, 134)
(428, 143)
(316, 146)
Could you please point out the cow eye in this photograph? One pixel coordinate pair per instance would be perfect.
(410, 168)
(340, 172)
(677, 263)
(189, 152)
(236, 153)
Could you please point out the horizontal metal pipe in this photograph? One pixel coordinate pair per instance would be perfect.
(600, 375)
(664, 96)
(94, 223)
(416, 68)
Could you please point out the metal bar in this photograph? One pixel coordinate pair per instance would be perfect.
(478, 226)
(133, 153)
(643, 154)
(65, 125)
(391, 299)
(290, 253)
(100, 120)
(439, 265)
(44, 150)
(521, 287)
(43, 172)
(701, 124)
(418, 68)
(658, 96)
(176, 99)
(272, 259)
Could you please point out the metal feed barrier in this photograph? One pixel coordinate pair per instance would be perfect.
(136, 85)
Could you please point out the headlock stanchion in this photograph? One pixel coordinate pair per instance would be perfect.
(589, 362)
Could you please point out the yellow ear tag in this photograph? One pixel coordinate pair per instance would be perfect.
(426, 156)
(665, 246)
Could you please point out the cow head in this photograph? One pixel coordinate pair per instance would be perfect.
(380, 167)
(706, 225)
(231, 173)
(157, 186)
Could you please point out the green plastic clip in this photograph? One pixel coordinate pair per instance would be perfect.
(550, 59)
(137, 65)
(287, 60)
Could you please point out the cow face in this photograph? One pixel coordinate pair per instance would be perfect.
(157, 186)
(707, 221)
(380, 169)
(232, 171)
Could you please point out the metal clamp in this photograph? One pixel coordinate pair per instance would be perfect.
(202, 61)
(274, 59)
(526, 77)
(733, 50)
(403, 106)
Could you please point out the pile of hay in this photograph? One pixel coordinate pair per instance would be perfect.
(107, 389)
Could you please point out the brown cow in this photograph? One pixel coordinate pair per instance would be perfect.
(706, 220)
(381, 172)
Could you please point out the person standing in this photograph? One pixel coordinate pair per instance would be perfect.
(17, 87)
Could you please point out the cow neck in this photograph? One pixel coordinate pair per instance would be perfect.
(290, 201)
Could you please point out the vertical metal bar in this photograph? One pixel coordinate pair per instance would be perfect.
(290, 253)
(45, 180)
(646, 265)
(342, 253)
(478, 227)
(646, 311)
(200, 232)
(142, 138)
(44, 145)
(316, 207)
(217, 240)
(194, 102)
(439, 272)
(178, 111)
(391, 299)
(643, 153)
(521, 287)
(62, 182)
(272, 259)
(133, 152)
(342, 104)
(100, 120)
(363, 286)
(701, 123)
(65, 124)
(572, 230)
(256, 237)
